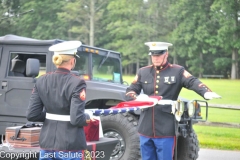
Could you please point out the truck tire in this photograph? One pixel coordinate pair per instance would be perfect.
(124, 127)
(187, 148)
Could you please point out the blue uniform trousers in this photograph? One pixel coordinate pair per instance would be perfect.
(61, 155)
(157, 148)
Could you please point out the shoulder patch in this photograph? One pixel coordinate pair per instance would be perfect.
(82, 95)
(186, 74)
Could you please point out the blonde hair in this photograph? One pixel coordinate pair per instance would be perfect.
(59, 59)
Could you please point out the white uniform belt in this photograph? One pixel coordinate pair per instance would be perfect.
(165, 102)
(57, 117)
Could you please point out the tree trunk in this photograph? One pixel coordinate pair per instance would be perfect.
(92, 14)
(200, 65)
(149, 60)
(175, 61)
(137, 66)
(234, 70)
(237, 68)
(131, 69)
(125, 70)
(234, 65)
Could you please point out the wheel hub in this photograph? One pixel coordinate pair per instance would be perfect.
(119, 149)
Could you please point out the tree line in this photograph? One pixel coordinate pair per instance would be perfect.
(204, 33)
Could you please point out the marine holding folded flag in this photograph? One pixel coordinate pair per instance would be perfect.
(58, 100)
(157, 124)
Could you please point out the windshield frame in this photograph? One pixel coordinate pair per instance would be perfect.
(104, 54)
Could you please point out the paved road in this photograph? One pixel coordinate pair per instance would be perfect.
(211, 154)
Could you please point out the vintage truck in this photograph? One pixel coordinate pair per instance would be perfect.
(102, 70)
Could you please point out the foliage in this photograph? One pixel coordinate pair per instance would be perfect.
(78, 15)
(222, 62)
(126, 29)
(132, 24)
(227, 14)
(203, 33)
(8, 16)
(194, 32)
(42, 23)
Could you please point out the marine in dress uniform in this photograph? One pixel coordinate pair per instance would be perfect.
(157, 124)
(58, 100)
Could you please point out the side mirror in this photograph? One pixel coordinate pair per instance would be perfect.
(32, 67)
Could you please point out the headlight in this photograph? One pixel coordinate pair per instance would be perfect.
(191, 108)
(179, 106)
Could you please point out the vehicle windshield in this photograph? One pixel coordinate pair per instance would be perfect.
(82, 64)
(104, 68)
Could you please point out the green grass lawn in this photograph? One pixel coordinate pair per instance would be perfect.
(228, 89)
(218, 137)
(222, 115)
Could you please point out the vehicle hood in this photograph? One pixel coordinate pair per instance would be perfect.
(105, 90)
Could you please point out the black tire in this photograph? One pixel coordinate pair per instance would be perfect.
(124, 127)
(187, 148)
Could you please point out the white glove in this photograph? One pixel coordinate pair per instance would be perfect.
(90, 113)
(144, 97)
(211, 95)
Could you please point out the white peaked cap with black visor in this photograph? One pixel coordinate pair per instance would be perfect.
(157, 48)
(66, 48)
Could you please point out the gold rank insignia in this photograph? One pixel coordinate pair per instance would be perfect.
(154, 44)
(186, 74)
(82, 95)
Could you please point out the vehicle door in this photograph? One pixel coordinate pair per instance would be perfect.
(16, 87)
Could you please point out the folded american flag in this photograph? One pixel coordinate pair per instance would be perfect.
(129, 106)
(140, 102)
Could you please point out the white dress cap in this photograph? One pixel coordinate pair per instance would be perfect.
(158, 46)
(66, 47)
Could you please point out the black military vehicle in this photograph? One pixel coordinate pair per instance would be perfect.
(101, 68)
